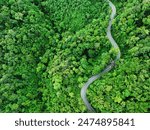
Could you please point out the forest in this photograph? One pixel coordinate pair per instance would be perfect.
(50, 48)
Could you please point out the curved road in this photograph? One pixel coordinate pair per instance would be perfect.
(109, 67)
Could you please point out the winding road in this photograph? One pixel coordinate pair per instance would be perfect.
(109, 67)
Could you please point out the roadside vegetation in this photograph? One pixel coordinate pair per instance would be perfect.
(49, 49)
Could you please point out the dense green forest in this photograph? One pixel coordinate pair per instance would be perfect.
(49, 49)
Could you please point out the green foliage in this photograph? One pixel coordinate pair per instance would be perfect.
(49, 49)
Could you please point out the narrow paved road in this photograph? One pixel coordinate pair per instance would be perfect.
(109, 67)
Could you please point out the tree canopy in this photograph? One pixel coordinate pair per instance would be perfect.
(49, 49)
